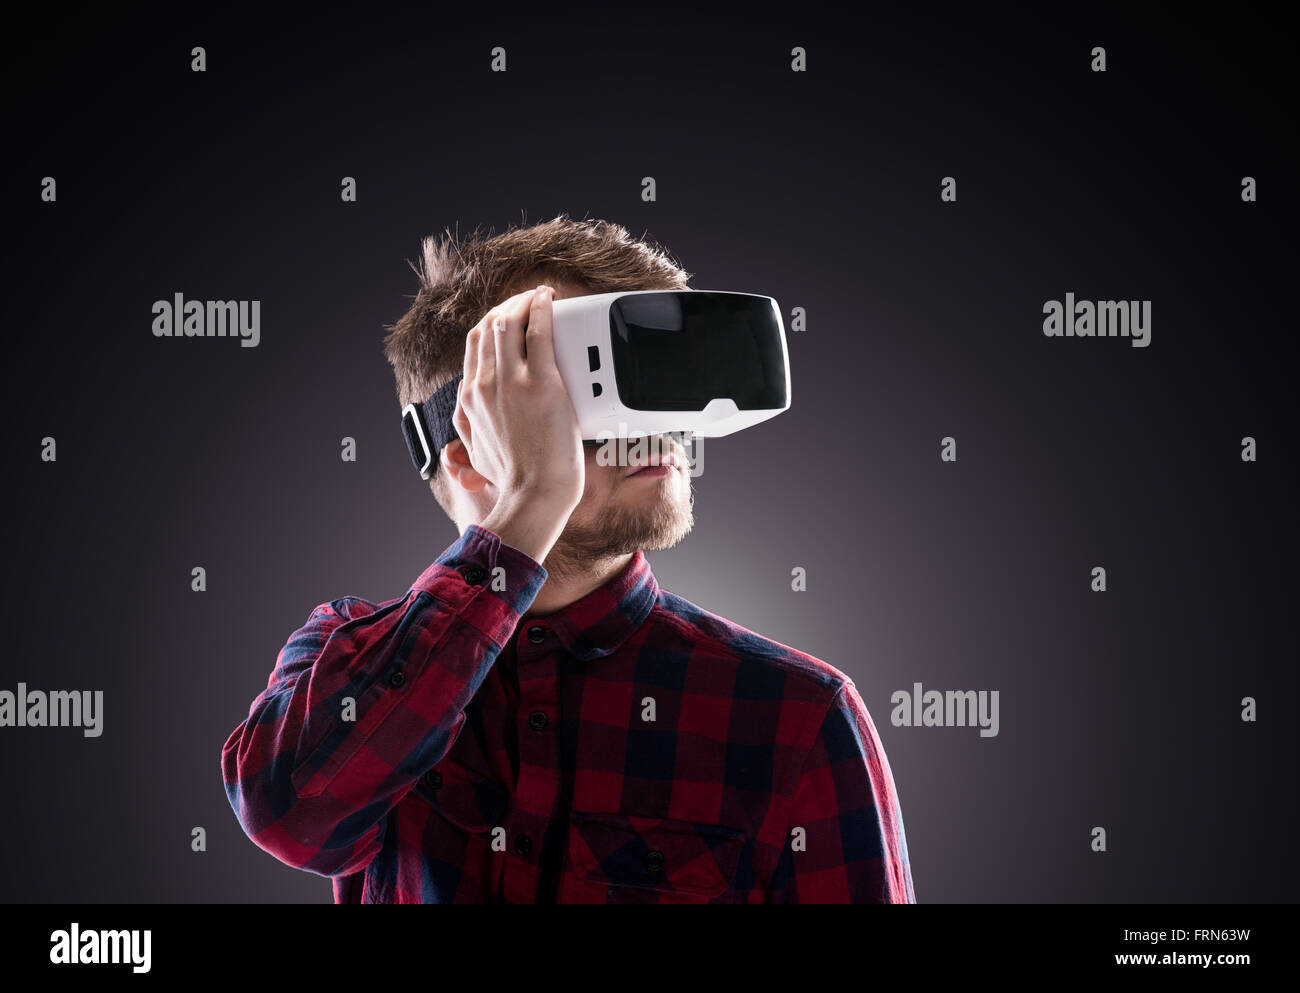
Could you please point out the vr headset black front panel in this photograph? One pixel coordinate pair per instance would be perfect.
(679, 349)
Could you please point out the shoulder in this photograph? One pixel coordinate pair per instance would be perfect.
(764, 667)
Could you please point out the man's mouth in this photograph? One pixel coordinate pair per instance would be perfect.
(656, 465)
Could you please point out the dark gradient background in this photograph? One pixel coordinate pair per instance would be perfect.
(819, 188)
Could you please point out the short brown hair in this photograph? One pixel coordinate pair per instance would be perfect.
(461, 283)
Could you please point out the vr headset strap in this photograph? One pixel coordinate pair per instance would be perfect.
(428, 427)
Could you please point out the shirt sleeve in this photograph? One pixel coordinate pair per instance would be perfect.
(363, 699)
(852, 847)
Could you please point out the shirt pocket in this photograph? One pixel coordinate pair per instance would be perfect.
(623, 858)
(470, 800)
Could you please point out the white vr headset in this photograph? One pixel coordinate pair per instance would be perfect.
(700, 362)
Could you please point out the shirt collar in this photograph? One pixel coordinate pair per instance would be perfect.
(598, 623)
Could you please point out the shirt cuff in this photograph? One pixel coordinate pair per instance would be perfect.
(490, 583)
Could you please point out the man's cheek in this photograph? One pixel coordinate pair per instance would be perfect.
(594, 488)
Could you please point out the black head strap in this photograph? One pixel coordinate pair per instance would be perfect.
(427, 428)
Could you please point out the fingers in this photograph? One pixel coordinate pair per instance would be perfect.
(500, 345)
(484, 353)
(485, 371)
(471, 351)
(460, 420)
(539, 341)
(510, 335)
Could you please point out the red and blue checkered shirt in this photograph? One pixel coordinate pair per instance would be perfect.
(630, 748)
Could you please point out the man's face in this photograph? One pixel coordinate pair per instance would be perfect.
(635, 504)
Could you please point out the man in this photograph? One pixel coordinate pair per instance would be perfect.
(536, 720)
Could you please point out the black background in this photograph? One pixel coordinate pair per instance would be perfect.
(821, 189)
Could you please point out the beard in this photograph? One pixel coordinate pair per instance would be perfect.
(618, 530)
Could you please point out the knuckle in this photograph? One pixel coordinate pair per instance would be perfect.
(520, 302)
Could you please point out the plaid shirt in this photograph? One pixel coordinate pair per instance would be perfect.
(630, 748)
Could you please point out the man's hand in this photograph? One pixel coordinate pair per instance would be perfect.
(518, 425)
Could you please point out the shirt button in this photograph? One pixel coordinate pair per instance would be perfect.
(523, 844)
(396, 679)
(537, 720)
(654, 861)
(434, 778)
(537, 634)
(474, 574)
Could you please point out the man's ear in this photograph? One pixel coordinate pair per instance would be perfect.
(454, 461)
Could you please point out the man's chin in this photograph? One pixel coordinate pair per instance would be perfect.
(620, 530)
(668, 534)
